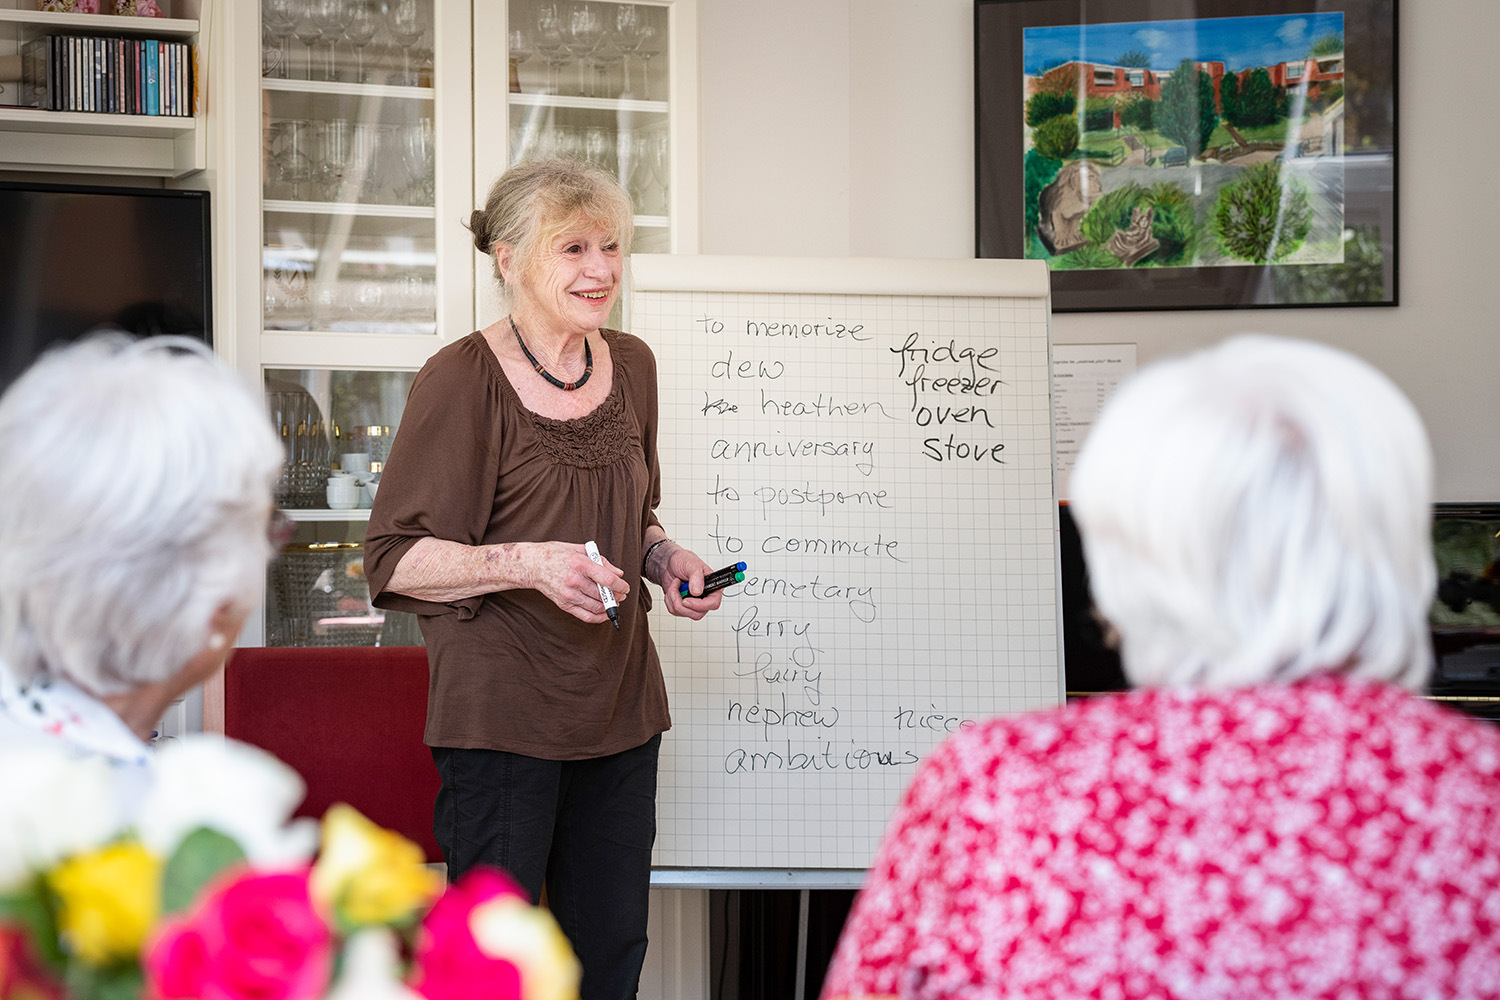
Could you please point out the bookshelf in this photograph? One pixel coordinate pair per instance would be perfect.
(127, 145)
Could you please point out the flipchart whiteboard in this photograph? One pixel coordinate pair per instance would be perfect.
(872, 437)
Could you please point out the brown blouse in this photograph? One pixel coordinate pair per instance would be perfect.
(511, 671)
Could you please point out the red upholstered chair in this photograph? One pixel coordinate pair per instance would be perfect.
(349, 720)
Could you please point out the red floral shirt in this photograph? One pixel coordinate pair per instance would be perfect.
(1325, 839)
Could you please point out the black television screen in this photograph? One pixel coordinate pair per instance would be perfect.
(75, 258)
(1464, 617)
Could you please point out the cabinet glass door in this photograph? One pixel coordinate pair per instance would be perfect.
(348, 155)
(349, 273)
(336, 429)
(589, 80)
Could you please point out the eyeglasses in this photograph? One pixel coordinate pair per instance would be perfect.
(280, 530)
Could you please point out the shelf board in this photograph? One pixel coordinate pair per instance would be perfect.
(586, 103)
(109, 24)
(316, 514)
(349, 208)
(339, 88)
(95, 123)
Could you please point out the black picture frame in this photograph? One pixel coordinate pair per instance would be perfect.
(1343, 261)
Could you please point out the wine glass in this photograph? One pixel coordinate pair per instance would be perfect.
(584, 30)
(659, 159)
(604, 60)
(597, 146)
(364, 22)
(628, 36)
(308, 33)
(646, 51)
(550, 44)
(364, 160)
(291, 151)
(337, 142)
(270, 55)
(404, 22)
(416, 161)
(642, 181)
(280, 18)
(332, 19)
(519, 47)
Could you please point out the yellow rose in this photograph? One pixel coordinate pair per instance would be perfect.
(108, 900)
(369, 875)
(509, 927)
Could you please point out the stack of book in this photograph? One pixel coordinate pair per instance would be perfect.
(127, 76)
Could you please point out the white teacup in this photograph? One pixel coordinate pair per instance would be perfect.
(355, 461)
(342, 496)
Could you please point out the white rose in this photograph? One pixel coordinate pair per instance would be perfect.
(371, 969)
(53, 804)
(233, 788)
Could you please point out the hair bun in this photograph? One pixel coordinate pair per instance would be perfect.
(482, 241)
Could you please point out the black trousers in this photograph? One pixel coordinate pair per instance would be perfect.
(584, 828)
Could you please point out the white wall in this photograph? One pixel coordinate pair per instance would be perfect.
(845, 128)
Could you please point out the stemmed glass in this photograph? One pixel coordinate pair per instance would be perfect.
(337, 147)
(628, 36)
(657, 158)
(332, 18)
(270, 55)
(416, 161)
(647, 49)
(291, 152)
(280, 18)
(519, 47)
(364, 22)
(404, 21)
(604, 60)
(585, 30)
(309, 33)
(550, 42)
(364, 160)
(597, 147)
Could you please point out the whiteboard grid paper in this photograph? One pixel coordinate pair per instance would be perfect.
(883, 464)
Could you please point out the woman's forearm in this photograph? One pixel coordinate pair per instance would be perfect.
(439, 570)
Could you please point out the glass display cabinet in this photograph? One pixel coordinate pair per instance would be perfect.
(592, 80)
(351, 177)
(376, 135)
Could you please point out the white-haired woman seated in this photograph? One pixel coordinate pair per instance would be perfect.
(136, 479)
(1272, 814)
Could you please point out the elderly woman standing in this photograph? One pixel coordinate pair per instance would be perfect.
(136, 478)
(1273, 814)
(519, 444)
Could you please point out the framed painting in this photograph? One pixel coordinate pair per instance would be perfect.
(1190, 154)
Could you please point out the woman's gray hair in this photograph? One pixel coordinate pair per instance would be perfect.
(1260, 512)
(137, 479)
(536, 200)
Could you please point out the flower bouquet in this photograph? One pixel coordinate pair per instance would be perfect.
(196, 887)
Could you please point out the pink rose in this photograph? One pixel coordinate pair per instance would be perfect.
(87, 7)
(449, 962)
(253, 937)
(147, 8)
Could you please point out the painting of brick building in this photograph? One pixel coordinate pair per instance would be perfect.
(1207, 142)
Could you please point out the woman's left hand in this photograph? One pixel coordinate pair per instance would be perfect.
(683, 566)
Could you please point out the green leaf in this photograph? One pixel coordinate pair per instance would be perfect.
(29, 910)
(203, 854)
(85, 982)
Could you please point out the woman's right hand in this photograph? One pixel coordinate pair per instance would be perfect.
(567, 577)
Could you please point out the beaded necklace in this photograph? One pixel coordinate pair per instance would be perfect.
(588, 362)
